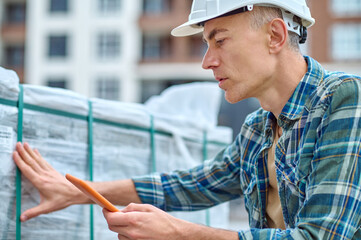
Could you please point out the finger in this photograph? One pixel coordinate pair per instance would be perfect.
(29, 150)
(36, 151)
(125, 233)
(135, 207)
(25, 168)
(27, 158)
(115, 218)
(46, 164)
(128, 225)
(36, 156)
(34, 212)
(115, 224)
(122, 237)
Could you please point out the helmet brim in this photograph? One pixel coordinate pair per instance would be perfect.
(186, 29)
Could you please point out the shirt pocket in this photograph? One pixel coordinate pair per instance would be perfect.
(252, 203)
(292, 198)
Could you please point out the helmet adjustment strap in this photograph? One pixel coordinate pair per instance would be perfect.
(303, 36)
(294, 26)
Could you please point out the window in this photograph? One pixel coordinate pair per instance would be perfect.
(156, 47)
(156, 6)
(108, 45)
(108, 88)
(14, 56)
(346, 42)
(15, 13)
(58, 6)
(109, 6)
(57, 83)
(346, 8)
(58, 46)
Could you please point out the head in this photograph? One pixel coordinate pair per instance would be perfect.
(246, 39)
(243, 52)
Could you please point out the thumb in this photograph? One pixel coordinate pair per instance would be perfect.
(34, 212)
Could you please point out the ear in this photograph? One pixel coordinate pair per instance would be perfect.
(278, 35)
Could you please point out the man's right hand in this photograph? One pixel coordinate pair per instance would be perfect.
(55, 191)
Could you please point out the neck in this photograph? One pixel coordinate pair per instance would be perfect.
(289, 71)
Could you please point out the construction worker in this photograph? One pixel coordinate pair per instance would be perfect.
(296, 160)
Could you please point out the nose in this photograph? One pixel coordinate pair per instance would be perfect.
(210, 60)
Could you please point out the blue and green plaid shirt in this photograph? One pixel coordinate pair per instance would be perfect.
(317, 165)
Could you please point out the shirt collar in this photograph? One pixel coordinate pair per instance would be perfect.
(294, 107)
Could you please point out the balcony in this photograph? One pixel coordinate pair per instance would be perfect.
(163, 15)
(13, 32)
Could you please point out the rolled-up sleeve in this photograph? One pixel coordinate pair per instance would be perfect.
(215, 181)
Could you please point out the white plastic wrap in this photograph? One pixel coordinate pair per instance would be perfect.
(118, 152)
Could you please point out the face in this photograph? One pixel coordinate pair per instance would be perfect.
(238, 56)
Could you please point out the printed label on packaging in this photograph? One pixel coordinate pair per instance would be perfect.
(6, 139)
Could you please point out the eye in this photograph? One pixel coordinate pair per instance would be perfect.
(220, 42)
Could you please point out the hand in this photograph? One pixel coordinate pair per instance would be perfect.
(55, 191)
(143, 221)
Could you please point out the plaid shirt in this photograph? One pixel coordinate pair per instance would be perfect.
(317, 165)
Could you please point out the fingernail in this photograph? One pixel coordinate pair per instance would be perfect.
(23, 218)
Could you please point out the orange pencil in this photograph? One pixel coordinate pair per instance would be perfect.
(91, 193)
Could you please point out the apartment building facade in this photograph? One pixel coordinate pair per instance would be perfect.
(90, 47)
(335, 39)
(166, 60)
(123, 50)
(13, 35)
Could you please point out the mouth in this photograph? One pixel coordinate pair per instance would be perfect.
(221, 81)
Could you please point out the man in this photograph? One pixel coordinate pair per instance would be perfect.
(295, 160)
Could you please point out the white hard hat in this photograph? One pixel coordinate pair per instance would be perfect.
(204, 10)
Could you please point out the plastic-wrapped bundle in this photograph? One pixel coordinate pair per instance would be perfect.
(102, 140)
